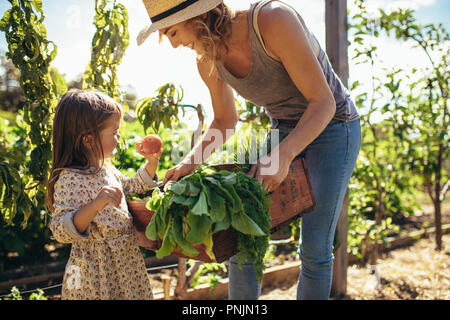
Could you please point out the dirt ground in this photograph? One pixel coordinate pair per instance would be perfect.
(416, 272)
(409, 273)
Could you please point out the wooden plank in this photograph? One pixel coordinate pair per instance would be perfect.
(286, 274)
(276, 276)
(336, 37)
(393, 243)
(337, 46)
(7, 285)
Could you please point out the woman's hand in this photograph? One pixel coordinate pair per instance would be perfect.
(271, 170)
(180, 170)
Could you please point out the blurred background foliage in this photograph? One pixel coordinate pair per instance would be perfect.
(403, 163)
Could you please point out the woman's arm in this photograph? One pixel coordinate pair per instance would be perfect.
(286, 39)
(221, 128)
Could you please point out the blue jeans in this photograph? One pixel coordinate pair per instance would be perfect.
(330, 160)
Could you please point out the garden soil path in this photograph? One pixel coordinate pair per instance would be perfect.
(415, 272)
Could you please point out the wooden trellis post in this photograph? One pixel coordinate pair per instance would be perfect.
(337, 46)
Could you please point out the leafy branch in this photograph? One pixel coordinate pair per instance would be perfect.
(109, 44)
(32, 53)
(163, 109)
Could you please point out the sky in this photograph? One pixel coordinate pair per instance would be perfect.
(145, 68)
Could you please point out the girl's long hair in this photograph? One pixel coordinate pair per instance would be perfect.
(79, 114)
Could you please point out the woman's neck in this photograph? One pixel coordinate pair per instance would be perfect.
(239, 33)
(238, 58)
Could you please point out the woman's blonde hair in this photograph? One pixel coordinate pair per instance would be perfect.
(213, 29)
(79, 113)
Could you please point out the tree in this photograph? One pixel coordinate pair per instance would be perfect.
(428, 100)
(11, 95)
(31, 52)
(419, 110)
(109, 44)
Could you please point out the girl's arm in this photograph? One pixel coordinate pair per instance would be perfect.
(286, 40)
(74, 208)
(83, 217)
(145, 178)
(221, 128)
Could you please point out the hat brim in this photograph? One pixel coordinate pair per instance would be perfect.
(192, 11)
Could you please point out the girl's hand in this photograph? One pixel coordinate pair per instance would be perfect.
(270, 171)
(152, 159)
(108, 195)
(180, 170)
(84, 216)
(149, 156)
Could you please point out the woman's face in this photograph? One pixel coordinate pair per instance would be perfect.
(181, 34)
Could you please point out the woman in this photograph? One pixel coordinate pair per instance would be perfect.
(267, 55)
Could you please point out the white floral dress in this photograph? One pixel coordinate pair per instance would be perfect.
(105, 261)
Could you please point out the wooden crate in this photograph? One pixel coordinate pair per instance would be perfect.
(291, 200)
(225, 244)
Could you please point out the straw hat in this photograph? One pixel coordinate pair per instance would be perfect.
(166, 13)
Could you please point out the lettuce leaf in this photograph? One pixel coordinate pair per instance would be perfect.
(242, 223)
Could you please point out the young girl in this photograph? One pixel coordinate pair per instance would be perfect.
(86, 194)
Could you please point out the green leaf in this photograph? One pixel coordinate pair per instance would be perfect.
(192, 188)
(5, 20)
(223, 224)
(168, 243)
(232, 191)
(201, 207)
(155, 201)
(185, 201)
(185, 246)
(208, 242)
(151, 230)
(217, 205)
(178, 187)
(243, 223)
(222, 191)
(200, 226)
(59, 81)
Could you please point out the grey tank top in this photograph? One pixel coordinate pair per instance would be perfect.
(268, 84)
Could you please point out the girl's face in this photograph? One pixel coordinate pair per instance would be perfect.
(109, 135)
(182, 34)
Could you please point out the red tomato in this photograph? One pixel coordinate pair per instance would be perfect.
(151, 144)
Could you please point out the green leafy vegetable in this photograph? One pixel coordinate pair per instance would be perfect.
(192, 209)
(201, 207)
